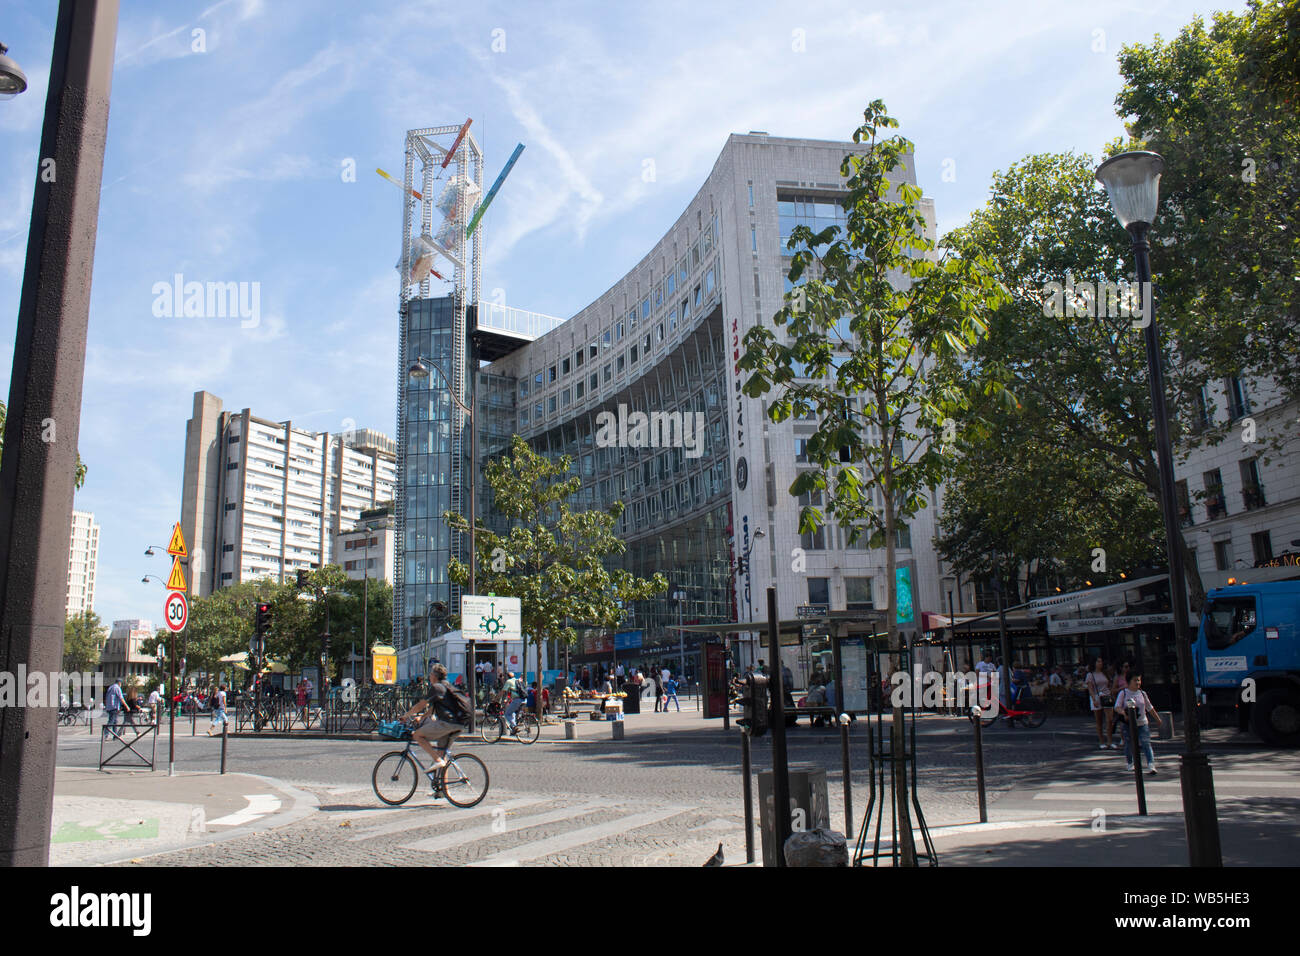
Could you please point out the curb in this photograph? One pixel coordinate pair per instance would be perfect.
(304, 804)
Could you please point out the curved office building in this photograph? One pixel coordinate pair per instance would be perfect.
(641, 389)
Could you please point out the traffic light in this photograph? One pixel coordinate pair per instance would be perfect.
(753, 698)
(263, 620)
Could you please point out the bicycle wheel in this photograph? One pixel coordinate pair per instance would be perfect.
(490, 729)
(528, 729)
(1034, 718)
(464, 780)
(395, 778)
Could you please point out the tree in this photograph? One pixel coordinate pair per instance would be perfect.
(875, 336)
(83, 639)
(81, 467)
(555, 560)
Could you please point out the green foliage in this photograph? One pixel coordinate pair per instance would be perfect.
(555, 559)
(83, 638)
(882, 392)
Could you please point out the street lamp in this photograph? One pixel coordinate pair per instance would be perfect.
(421, 369)
(12, 79)
(1133, 182)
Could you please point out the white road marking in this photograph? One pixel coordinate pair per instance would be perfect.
(446, 841)
(259, 805)
(575, 838)
(1086, 794)
(418, 817)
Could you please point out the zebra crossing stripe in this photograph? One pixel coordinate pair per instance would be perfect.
(426, 816)
(575, 838)
(446, 841)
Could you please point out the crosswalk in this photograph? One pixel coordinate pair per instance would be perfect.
(517, 829)
(1102, 783)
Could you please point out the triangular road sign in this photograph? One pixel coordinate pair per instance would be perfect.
(177, 546)
(176, 581)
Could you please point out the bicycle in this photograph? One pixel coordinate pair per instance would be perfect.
(1021, 712)
(526, 730)
(397, 774)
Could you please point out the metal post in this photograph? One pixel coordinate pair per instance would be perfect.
(1137, 757)
(780, 765)
(45, 390)
(365, 622)
(171, 729)
(225, 727)
(1004, 670)
(472, 680)
(979, 760)
(1200, 815)
(746, 773)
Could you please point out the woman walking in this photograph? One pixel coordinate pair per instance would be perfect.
(1122, 673)
(1140, 710)
(1098, 684)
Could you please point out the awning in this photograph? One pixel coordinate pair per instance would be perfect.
(1092, 598)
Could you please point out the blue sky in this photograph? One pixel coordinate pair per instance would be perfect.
(225, 165)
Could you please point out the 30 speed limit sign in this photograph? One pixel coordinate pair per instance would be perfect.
(176, 611)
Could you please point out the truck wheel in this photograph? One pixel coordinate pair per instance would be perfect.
(1276, 717)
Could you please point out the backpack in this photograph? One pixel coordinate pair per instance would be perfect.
(458, 702)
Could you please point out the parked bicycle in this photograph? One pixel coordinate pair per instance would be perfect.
(526, 729)
(397, 774)
(1023, 711)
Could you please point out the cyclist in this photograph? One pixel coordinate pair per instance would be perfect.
(515, 688)
(436, 719)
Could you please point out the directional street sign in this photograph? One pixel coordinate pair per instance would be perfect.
(176, 580)
(177, 545)
(176, 611)
(490, 618)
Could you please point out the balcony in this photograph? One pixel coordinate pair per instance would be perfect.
(1185, 518)
(1252, 496)
(1216, 507)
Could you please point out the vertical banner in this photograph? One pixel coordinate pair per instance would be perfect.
(715, 680)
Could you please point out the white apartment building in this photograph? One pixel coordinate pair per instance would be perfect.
(83, 559)
(1239, 500)
(129, 652)
(369, 550)
(265, 499)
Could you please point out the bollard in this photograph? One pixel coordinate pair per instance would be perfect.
(979, 762)
(746, 773)
(617, 727)
(193, 715)
(570, 730)
(1131, 727)
(848, 779)
(1167, 727)
(224, 727)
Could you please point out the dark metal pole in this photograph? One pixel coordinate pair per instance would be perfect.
(1132, 716)
(225, 726)
(171, 730)
(44, 412)
(979, 761)
(365, 620)
(780, 764)
(747, 773)
(1200, 815)
(471, 679)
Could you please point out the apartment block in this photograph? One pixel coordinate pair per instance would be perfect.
(83, 560)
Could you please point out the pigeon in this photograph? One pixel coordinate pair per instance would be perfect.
(716, 859)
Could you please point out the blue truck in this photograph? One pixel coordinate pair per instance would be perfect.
(1248, 659)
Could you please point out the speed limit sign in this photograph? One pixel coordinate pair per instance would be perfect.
(176, 611)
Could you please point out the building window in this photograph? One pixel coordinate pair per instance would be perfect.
(579, 389)
(816, 540)
(1238, 402)
(604, 339)
(751, 195)
(1262, 544)
(537, 380)
(671, 285)
(698, 297)
(1222, 555)
(632, 355)
(1252, 490)
(550, 375)
(801, 450)
(593, 383)
(537, 412)
(903, 536)
(550, 405)
(708, 281)
(609, 371)
(1215, 504)
(618, 332)
(753, 239)
(857, 594)
(645, 308)
(622, 363)
(566, 397)
(566, 367)
(819, 591)
(523, 388)
(1184, 503)
(661, 332)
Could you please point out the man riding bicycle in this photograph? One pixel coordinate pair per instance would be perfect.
(436, 719)
(515, 688)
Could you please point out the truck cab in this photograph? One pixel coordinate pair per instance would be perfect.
(1248, 658)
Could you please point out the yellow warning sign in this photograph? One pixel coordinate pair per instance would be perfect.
(177, 546)
(176, 581)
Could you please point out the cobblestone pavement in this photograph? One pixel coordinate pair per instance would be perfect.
(659, 797)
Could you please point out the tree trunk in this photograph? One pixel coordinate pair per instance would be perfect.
(898, 735)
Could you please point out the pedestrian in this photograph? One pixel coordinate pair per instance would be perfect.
(155, 702)
(670, 693)
(787, 677)
(301, 699)
(1121, 683)
(664, 674)
(114, 702)
(218, 704)
(1137, 714)
(1098, 684)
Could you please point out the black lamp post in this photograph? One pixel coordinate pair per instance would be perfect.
(1133, 182)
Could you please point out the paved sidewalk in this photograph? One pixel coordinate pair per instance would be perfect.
(112, 816)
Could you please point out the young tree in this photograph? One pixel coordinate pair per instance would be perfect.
(875, 335)
(83, 638)
(554, 559)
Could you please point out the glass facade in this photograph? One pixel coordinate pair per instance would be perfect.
(427, 469)
(813, 212)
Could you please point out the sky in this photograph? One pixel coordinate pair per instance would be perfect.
(233, 124)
